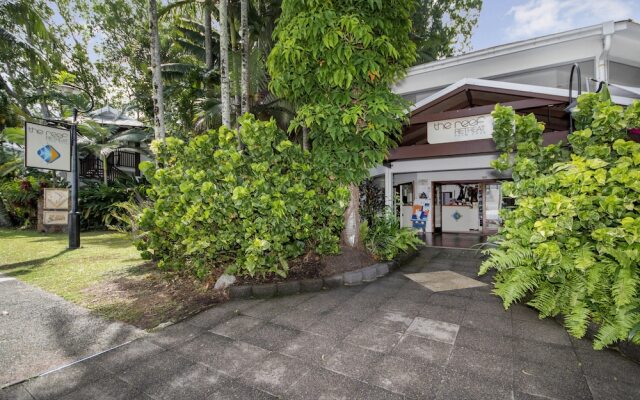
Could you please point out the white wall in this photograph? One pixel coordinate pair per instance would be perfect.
(399, 179)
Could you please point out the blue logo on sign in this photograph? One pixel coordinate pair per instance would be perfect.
(48, 153)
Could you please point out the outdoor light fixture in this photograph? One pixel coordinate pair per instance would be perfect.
(573, 102)
(74, 214)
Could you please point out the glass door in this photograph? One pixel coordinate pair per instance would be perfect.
(405, 193)
(492, 203)
(437, 208)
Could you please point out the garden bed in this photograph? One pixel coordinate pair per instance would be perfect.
(351, 275)
(313, 266)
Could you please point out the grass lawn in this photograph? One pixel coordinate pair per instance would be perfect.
(106, 275)
(44, 261)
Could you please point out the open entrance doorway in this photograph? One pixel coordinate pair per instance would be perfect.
(467, 207)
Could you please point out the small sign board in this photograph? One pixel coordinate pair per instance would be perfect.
(47, 147)
(56, 199)
(460, 129)
(55, 217)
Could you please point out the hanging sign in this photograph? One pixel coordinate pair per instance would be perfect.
(47, 147)
(460, 129)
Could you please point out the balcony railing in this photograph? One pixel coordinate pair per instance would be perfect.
(92, 167)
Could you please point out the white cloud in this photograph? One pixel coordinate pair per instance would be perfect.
(541, 17)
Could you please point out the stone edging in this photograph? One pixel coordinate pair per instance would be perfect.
(350, 278)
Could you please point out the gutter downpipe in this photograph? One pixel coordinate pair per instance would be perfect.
(602, 60)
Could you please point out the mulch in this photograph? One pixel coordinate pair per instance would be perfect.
(313, 266)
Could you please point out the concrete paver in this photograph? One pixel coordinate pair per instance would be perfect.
(40, 331)
(407, 343)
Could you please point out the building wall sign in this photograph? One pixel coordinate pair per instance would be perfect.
(47, 147)
(462, 129)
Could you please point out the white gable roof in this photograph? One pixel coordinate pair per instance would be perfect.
(510, 86)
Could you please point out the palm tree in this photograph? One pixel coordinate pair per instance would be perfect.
(23, 37)
(190, 6)
(191, 90)
(191, 87)
(208, 46)
(244, 38)
(158, 95)
(224, 63)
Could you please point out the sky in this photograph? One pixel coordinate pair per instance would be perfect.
(506, 21)
(503, 21)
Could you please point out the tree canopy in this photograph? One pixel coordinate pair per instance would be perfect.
(103, 46)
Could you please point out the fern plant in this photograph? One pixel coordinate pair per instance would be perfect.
(571, 246)
(385, 239)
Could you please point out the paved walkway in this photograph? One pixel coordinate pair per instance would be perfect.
(40, 331)
(391, 339)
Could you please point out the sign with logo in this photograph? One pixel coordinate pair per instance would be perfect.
(47, 147)
(460, 129)
(56, 199)
(55, 217)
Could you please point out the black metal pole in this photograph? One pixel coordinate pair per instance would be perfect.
(576, 68)
(74, 215)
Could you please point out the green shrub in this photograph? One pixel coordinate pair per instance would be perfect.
(371, 200)
(248, 210)
(98, 202)
(127, 214)
(385, 239)
(572, 243)
(20, 197)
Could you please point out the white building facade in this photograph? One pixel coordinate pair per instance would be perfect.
(440, 177)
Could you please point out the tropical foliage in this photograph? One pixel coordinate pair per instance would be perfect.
(100, 204)
(337, 61)
(248, 211)
(385, 239)
(443, 28)
(19, 198)
(571, 246)
(321, 69)
(372, 201)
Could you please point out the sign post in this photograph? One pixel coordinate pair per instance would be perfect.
(56, 149)
(74, 215)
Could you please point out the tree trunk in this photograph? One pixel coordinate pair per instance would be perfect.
(244, 40)
(208, 48)
(351, 232)
(44, 107)
(235, 65)
(224, 64)
(158, 95)
(105, 171)
(305, 138)
(5, 219)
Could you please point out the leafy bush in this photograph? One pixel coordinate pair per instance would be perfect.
(20, 197)
(572, 243)
(247, 210)
(385, 239)
(371, 200)
(127, 215)
(98, 203)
